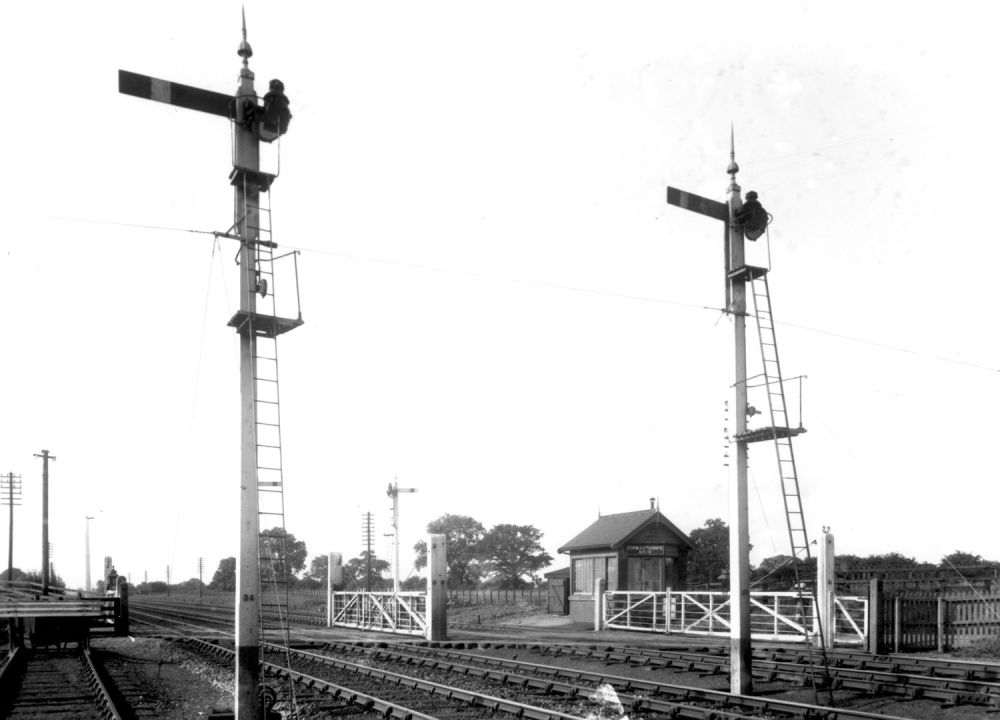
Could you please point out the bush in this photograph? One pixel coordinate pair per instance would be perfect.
(988, 648)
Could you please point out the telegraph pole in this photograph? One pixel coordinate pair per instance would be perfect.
(88, 518)
(736, 276)
(45, 518)
(393, 492)
(367, 531)
(12, 483)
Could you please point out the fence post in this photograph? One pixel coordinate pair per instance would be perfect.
(940, 623)
(897, 623)
(437, 587)
(875, 619)
(598, 609)
(825, 590)
(334, 576)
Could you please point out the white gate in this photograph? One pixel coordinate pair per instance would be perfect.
(774, 616)
(850, 620)
(635, 610)
(404, 612)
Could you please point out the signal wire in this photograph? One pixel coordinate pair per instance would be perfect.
(558, 286)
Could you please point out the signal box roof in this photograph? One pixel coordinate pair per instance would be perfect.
(610, 532)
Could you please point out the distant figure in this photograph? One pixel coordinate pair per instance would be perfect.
(112, 581)
(276, 113)
(752, 217)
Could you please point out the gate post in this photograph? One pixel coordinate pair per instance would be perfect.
(437, 587)
(826, 588)
(334, 576)
(940, 623)
(875, 619)
(121, 620)
(598, 604)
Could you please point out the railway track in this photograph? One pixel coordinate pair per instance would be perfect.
(379, 693)
(852, 676)
(222, 614)
(38, 683)
(645, 698)
(943, 681)
(325, 687)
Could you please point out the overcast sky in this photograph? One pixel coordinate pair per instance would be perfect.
(500, 308)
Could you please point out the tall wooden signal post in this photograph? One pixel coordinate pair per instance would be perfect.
(749, 222)
(258, 324)
(739, 535)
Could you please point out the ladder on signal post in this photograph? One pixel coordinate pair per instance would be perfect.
(265, 325)
(780, 429)
(782, 433)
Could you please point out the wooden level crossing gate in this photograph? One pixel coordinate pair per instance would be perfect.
(774, 616)
(402, 612)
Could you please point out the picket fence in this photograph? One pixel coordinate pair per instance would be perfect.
(483, 596)
(910, 622)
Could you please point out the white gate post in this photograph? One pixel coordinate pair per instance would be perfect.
(598, 604)
(334, 576)
(437, 587)
(826, 589)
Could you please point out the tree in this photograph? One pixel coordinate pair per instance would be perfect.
(968, 566)
(191, 585)
(780, 572)
(959, 558)
(288, 555)
(16, 575)
(464, 535)
(356, 572)
(317, 568)
(513, 552)
(225, 575)
(414, 583)
(34, 576)
(710, 555)
(891, 561)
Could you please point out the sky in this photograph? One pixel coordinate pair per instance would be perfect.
(500, 308)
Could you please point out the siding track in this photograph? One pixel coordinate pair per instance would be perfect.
(38, 683)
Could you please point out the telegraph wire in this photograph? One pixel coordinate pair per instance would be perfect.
(886, 346)
(132, 225)
(550, 286)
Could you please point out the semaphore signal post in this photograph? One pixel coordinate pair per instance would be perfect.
(739, 535)
(258, 323)
(749, 221)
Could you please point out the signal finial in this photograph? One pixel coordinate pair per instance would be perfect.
(245, 51)
(733, 167)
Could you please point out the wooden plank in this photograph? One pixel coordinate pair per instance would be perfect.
(698, 204)
(185, 96)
